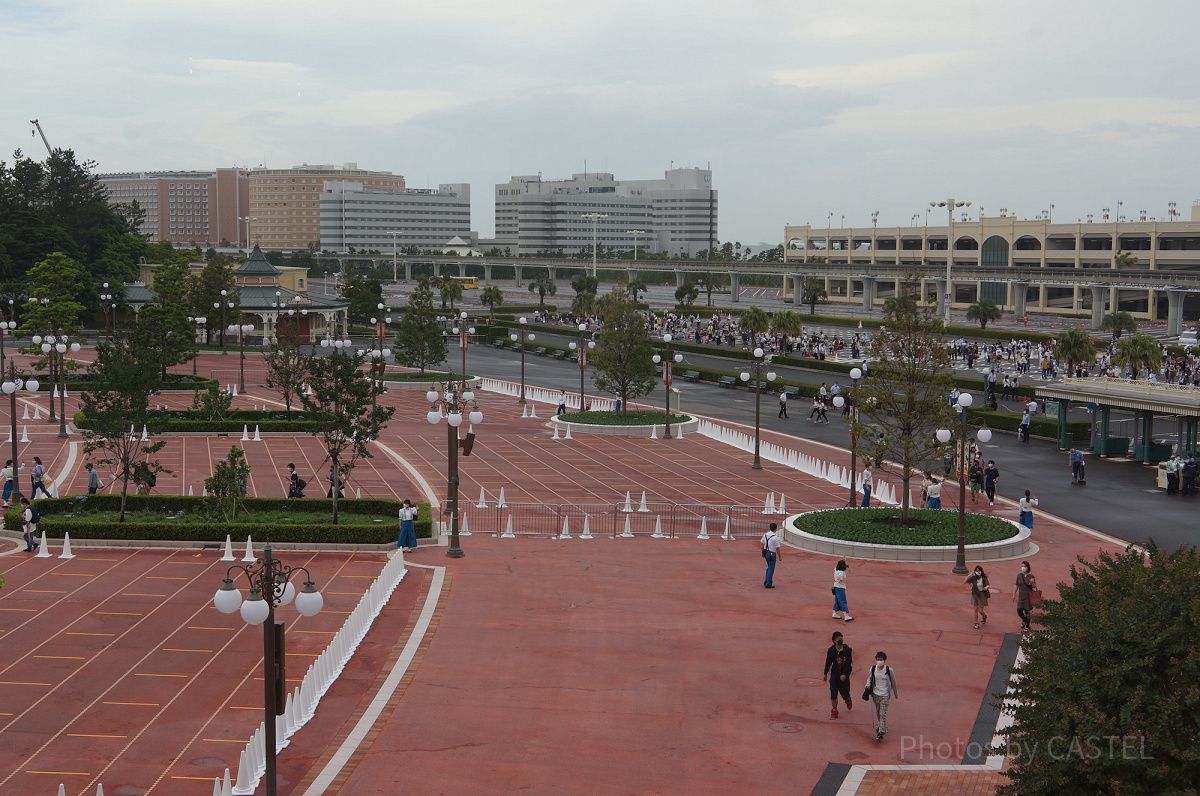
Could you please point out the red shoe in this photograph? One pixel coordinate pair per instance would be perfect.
(849, 705)
(833, 714)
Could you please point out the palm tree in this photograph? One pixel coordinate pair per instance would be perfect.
(687, 293)
(787, 323)
(583, 304)
(812, 291)
(543, 285)
(1138, 351)
(983, 311)
(1075, 347)
(1119, 323)
(451, 291)
(492, 296)
(754, 320)
(584, 283)
(635, 286)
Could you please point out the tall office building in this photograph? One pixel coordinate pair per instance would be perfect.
(676, 215)
(353, 215)
(285, 208)
(185, 207)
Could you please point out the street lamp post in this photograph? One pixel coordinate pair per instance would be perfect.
(106, 302)
(757, 367)
(270, 582)
(199, 321)
(224, 306)
(636, 233)
(667, 363)
(524, 338)
(949, 204)
(943, 436)
(464, 333)
(11, 385)
(595, 218)
(241, 330)
(583, 346)
(453, 396)
(381, 353)
(395, 272)
(839, 402)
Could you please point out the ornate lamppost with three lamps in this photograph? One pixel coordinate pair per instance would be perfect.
(758, 368)
(241, 330)
(450, 402)
(943, 436)
(667, 362)
(524, 337)
(582, 347)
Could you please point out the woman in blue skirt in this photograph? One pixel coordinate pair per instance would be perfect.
(408, 529)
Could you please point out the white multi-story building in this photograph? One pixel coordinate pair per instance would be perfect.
(353, 215)
(675, 215)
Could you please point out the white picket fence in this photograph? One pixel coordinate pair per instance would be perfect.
(543, 395)
(809, 465)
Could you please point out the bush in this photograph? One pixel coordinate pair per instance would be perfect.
(1038, 426)
(871, 526)
(428, 375)
(228, 426)
(639, 417)
(83, 382)
(382, 533)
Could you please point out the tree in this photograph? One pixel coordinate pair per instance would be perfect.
(493, 297)
(1104, 701)
(585, 283)
(126, 378)
(419, 340)
(1118, 322)
(754, 320)
(903, 402)
(162, 325)
(344, 410)
(635, 286)
(204, 289)
(227, 485)
(787, 323)
(687, 293)
(54, 284)
(364, 296)
(624, 354)
(285, 363)
(983, 311)
(213, 403)
(812, 291)
(451, 292)
(1124, 259)
(543, 286)
(583, 304)
(1137, 352)
(1075, 346)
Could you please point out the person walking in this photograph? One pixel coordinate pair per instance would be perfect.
(975, 479)
(816, 410)
(408, 529)
(93, 479)
(1023, 593)
(1026, 419)
(562, 404)
(839, 665)
(770, 551)
(935, 492)
(1025, 506)
(38, 477)
(980, 593)
(881, 689)
(9, 475)
(1187, 473)
(991, 475)
(841, 610)
(1075, 458)
(29, 521)
(866, 487)
(783, 404)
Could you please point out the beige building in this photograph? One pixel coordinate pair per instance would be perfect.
(1022, 265)
(285, 204)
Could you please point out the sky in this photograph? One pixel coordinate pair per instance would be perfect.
(802, 109)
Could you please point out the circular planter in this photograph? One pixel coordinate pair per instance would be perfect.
(424, 386)
(687, 427)
(1012, 547)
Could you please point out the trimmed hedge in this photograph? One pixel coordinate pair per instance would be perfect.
(1038, 426)
(638, 417)
(383, 533)
(217, 426)
(82, 382)
(427, 376)
(867, 525)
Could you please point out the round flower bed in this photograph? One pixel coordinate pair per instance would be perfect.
(634, 423)
(929, 535)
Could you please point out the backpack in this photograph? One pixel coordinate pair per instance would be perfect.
(151, 479)
(300, 484)
(34, 514)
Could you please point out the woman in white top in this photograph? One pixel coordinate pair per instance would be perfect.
(935, 493)
(840, 608)
(408, 530)
(1025, 506)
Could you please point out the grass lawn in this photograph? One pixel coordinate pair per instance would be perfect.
(926, 527)
(641, 417)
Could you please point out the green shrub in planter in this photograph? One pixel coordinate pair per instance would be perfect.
(929, 527)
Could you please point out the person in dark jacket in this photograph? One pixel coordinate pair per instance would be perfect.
(839, 665)
(1188, 472)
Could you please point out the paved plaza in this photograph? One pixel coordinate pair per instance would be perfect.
(545, 665)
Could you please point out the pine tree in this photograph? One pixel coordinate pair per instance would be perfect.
(624, 353)
(419, 340)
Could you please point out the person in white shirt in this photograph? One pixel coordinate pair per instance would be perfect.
(840, 606)
(866, 487)
(770, 551)
(881, 688)
(408, 532)
(1025, 506)
(935, 493)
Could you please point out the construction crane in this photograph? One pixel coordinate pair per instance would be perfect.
(34, 122)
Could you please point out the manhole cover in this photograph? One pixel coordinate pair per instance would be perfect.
(786, 726)
(808, 682)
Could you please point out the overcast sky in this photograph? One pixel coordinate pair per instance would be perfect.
(801, 108)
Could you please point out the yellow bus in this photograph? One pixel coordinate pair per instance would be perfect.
(468, 282)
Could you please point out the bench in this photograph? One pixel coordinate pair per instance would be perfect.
(540, 351)
(517, 346)
(499, 344)
(574, 356)
(727, 381)
(691, 375)
(560, 354)
(792, 392)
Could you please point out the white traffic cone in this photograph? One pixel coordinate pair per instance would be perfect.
(587, 531)
(204, 492)
(769, 507)
(653, 432)
(555, 437)
(25, 414)
(145, 434)
(54, 392)
(482, 504)
(782, 507)
(568, 436)
(508, 530)
(235, 391)
(42, 551)
(532, 411)
(566, 529)
(257, 436)
(627, 532)
(190, 493)
(524, 411)
(728, 535)
(679, 433)
(500, 504)
(37, 412)
(628, 507)
(66, 548)
(658, 534)
(703, 528)
(358, 493)
(24, 434)
(642, 508)
(249, 556)
(228, 549)
(245, 433)
(462, 526)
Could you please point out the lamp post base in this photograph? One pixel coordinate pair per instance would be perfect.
(959, 569)
(757, 465)
(455, 552)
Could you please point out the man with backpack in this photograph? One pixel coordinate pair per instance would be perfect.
(29, 521)
(296, 484)
(770, 551)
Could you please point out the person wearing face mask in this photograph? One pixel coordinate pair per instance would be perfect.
(881, 689)
(1026, 583)
(978, 581)
(1025, 506)
(839, 665)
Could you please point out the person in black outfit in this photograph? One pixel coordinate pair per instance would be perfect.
(1188, 472)
(991, 475)
(839, 665)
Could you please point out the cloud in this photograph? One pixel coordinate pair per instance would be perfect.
(865, 75)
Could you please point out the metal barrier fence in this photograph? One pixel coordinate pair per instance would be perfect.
(665, 520)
